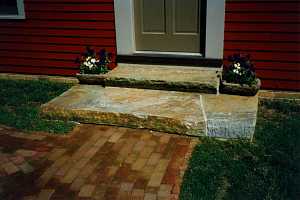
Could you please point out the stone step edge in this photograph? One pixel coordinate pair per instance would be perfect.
(160, 124)
(168, 125)
(106, 80)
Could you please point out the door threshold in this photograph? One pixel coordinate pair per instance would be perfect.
(170, 59)
(168, 54)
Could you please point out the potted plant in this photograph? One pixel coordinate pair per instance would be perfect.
(239, 76)
(93, 66)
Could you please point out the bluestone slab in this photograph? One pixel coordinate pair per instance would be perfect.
(230, 116)
(167, 111)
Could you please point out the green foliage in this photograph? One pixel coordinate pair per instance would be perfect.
(20, 102)
(240, 70)
(268, 168)
(285, 106)
(91, 62)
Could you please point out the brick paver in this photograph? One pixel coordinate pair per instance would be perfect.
(86, 191)
(10, 168)
(94, 162)
(45, 194)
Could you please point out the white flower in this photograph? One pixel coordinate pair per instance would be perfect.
(93, 60)
(236, 71)
(85, 63)
(237, 65)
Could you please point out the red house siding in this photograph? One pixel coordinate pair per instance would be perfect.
(269, 30)
(54, 33)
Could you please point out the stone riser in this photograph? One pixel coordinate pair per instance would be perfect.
(162, 85)
(105, 80)
(231, 128)
(154, 123)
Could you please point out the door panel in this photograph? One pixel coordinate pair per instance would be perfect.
(186, 16)
(167, 25)
(153, 17)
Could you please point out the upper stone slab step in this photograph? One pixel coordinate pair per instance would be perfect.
(174, 78)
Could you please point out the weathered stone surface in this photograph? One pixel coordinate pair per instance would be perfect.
(167, 111)
(226, 116)
(230, 116)
(176, 78)
(237, 89)
(93, 79)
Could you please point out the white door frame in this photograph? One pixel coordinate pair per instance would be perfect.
(214, 41)
(21, 12)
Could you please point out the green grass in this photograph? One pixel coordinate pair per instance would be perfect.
(268, 168)
(20, 105)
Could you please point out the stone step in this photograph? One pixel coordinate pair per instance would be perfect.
(174, 78)
(230, 116)
(166, 111)
(225, 116)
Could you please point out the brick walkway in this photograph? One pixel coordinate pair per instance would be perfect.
(93, 162)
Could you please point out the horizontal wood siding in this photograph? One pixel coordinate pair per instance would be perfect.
(269, 30)
(54, 33)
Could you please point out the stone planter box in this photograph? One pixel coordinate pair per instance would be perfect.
(238, 89)
(91, 79)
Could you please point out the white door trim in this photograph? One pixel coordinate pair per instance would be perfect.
(124, 22)
(215, 22)
(21, 12)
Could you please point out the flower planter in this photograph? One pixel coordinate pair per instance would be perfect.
(238, 89)
(91, 79)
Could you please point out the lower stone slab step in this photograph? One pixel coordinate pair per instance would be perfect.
(166, 111)
(223, 116)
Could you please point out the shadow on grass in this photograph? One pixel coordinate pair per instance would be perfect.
(268, 168)
(20, 105)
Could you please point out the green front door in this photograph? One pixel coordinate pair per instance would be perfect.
(167, 25)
